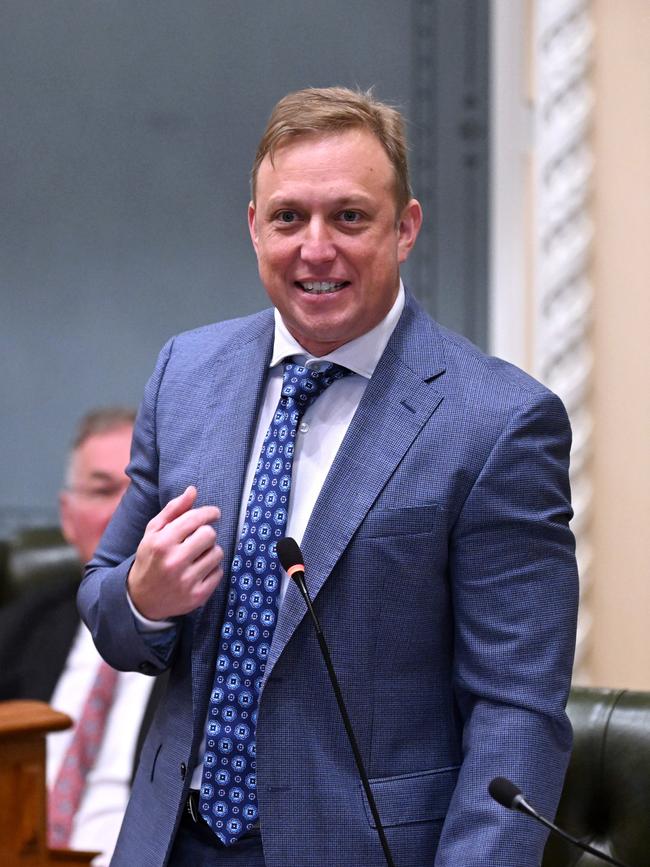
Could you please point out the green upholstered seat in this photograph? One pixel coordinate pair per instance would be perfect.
(606, 797)
(32, 556)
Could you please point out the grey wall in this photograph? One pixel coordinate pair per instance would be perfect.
(127, 132)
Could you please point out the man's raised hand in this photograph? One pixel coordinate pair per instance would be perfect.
(178, 563)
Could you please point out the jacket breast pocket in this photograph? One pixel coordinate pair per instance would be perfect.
(420, 797)
(428, 518)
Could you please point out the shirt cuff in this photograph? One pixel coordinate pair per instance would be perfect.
(143, 624)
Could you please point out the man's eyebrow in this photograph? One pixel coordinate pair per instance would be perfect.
(291, 203)
(351, 199)
(102, 476)
(282, 202)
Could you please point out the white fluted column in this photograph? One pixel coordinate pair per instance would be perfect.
(552, 115)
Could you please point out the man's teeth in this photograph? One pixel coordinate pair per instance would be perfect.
(318, 287)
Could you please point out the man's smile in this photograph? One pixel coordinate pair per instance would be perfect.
(321, 287)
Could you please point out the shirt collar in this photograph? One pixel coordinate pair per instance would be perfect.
(360, 355)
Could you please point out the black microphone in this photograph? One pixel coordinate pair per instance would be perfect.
(292, 562)
(508, 795)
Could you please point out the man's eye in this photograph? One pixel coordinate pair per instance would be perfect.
(287, 216)
(102, 492)
(350, 216)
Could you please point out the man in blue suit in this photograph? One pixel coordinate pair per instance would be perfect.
(428, 488)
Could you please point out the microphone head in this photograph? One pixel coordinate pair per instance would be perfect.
(504, 792)
(290, 555)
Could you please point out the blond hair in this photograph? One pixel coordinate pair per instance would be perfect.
(331, 110)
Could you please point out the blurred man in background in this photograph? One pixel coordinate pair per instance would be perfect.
(46, 653)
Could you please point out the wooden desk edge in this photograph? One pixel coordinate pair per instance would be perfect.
(30, 716)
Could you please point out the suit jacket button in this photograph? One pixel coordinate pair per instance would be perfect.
(183, 770)
(146, 668)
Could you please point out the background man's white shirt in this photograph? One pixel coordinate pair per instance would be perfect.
(108, 785)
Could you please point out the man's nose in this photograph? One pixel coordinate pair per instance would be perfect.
(317, 244)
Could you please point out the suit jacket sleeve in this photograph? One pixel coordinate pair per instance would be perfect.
(102, 597)
(514, 586)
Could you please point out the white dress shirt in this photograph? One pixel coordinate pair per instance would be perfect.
(108, 784)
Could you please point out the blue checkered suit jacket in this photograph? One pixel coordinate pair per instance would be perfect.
(443, 570)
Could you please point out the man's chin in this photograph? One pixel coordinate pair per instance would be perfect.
(319, 341)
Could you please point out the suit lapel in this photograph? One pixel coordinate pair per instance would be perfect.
(238, 380)
(398, 401)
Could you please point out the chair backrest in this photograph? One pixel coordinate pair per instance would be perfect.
(606, 796)
(32, 556)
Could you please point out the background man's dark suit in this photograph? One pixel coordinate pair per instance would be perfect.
(37, 632)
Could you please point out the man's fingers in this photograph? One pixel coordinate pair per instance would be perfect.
(201, 540)
(185, 525)
(204, 565)
(174, 508)
(180, 519)
(205, 588)
(178, 563)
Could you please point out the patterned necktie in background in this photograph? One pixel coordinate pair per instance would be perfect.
(65, 796)
(228, 799)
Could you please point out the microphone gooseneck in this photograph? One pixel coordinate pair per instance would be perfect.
(292, 561)
(509, 796)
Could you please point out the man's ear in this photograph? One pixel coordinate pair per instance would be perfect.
(408, 228)
(65, 518)
(252, 224)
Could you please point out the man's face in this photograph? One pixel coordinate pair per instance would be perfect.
(329, 242)
(96, 483)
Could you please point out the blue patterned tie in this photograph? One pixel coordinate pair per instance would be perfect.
(228, 798)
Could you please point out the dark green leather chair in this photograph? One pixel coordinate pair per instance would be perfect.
(606, 796)
(32, 556)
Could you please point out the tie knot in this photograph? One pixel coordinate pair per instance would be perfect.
(302, 385)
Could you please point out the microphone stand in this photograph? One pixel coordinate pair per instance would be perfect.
(299, 578)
